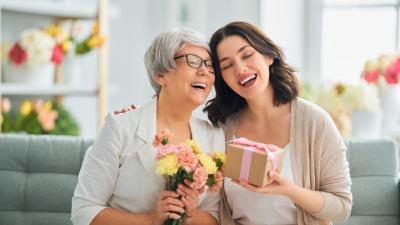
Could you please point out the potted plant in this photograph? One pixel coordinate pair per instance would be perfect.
(37, 117)
(384, 72)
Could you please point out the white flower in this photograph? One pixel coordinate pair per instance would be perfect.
(361, 97)
(329, 99)
(38, 45)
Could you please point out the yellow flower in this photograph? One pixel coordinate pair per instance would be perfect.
(26, 108)
(207, 162)
(220, 155)
(66, 45)
(48, 106)
(167, 165)
(54, 30)
(95, 41)
(194, 145)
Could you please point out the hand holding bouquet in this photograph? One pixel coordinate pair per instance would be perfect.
(186, 165)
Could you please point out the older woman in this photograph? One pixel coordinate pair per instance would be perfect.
(256, 97)
(117, 182)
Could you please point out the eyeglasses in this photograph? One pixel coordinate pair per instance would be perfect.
(196, 62)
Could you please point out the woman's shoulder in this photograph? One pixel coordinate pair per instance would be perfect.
(306, 110)
(127, 117)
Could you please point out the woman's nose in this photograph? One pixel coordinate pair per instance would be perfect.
(203, 69)
(239, 67)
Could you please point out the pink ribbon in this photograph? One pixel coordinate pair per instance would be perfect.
(270, 150)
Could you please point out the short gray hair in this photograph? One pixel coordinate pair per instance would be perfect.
(159, 57)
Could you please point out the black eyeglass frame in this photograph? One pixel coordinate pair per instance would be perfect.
(203, 61)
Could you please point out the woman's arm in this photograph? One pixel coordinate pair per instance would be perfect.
(97, 179)
(311, 201)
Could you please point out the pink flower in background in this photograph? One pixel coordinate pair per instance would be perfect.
(5, 105)
(164, 150)
(47, 119)
(392, 72)
(39, 104)
(58, 54)
(218, 182)
(186, 158)
(17, 54)
(200, 177)
(371, 76)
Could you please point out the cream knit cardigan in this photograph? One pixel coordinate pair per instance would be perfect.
(318, 160)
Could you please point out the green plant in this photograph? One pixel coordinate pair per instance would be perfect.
(38, 117)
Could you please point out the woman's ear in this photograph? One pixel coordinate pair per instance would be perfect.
(160, 79)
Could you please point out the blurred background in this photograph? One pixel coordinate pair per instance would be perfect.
(89, 57)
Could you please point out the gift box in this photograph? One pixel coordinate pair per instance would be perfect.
(251, 161)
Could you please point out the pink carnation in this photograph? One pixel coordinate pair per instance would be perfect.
(164, 150)
(200, 177)
(157, 141)
(186, 158)
(218, 182)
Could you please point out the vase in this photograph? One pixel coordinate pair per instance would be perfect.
(73, 68)
(42, 75)
(365, 124)
(390, 105)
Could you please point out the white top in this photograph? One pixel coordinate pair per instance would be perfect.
(118, 171)
(262, 209)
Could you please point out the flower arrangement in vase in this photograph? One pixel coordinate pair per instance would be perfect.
(385, 73)
(32, 58)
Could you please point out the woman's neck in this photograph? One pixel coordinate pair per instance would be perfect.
(261, 108)
(175, 117)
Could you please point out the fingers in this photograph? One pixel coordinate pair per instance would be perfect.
(273, 175)
(169, 205)
(172, 201)
(168, 194)
(173, 208)
(169, 215)
(184, 190)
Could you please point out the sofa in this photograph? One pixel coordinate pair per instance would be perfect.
(38, 175)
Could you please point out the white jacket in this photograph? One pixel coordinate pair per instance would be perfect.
(118, 171)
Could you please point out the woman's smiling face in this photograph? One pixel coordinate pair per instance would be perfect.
(243, 68)
(189, 84)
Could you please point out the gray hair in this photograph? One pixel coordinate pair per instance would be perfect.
(159, 57)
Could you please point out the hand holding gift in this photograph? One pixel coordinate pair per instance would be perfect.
(250, 161)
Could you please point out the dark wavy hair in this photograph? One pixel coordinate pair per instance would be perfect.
(227, 103)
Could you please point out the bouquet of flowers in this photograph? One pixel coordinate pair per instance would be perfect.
(37, 117)
(187, 161)
(386, 69)
(34, 48)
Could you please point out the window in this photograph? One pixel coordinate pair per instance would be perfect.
(353, 31)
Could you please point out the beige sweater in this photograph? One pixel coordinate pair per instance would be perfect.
(318, 160)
